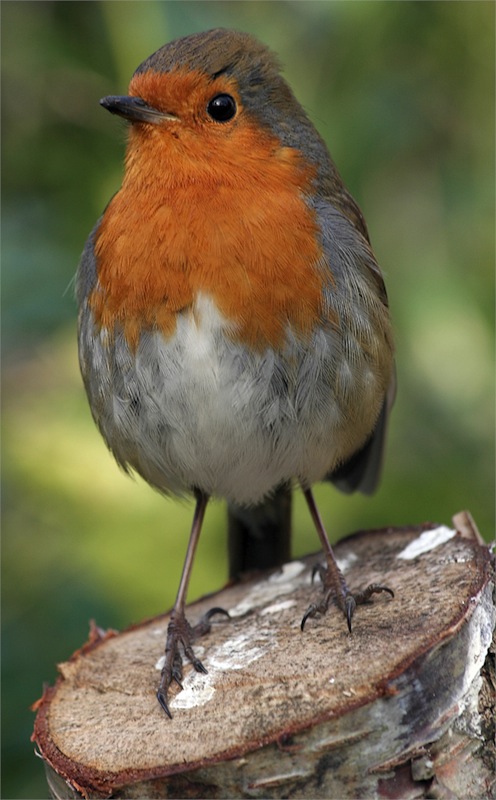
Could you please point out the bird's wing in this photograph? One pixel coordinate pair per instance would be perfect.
(350, 260)
(362, 471)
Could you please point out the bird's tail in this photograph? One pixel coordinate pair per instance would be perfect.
(260, 537)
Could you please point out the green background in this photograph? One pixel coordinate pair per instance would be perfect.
(403, 92)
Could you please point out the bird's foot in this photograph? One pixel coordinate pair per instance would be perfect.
(181, 636)
(335, 588)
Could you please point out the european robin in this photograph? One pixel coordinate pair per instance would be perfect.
(234, 331)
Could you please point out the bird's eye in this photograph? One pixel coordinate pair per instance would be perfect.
(222, 107)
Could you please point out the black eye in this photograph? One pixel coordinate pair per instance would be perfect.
(222, 107)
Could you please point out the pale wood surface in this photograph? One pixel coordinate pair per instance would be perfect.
(401, 705)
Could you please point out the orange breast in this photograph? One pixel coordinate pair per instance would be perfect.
(207, 211)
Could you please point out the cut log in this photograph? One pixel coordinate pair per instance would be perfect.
(401, 708)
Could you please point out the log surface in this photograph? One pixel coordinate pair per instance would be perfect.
(400, 706)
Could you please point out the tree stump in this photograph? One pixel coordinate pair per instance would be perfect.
(402, 708)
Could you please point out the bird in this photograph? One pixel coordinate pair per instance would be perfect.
(234, 334)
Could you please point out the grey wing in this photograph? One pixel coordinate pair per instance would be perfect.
(362, 471)
(347, 247)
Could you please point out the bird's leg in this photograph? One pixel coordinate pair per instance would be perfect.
(334, 582)
(180, 634)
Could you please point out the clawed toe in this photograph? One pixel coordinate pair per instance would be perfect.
(373, 588)
(349, 609)
(311, 611)
(345, 599)
(333, 579)
(181, 635)
(162, 699)
(203, 625)
(316, 609)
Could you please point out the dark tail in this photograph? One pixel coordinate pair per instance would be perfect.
(260, 537)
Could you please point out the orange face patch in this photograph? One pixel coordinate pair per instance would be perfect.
(207, 207)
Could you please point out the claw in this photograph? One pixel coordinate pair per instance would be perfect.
(372, 588)
(177, 677)
(199, 666)
(162, 699)
(180, 634)
(333, 580)
(177, 669)
(345, 599)
(350, 606)
(310, 612)
(203, 625)
(316, 608)
(217, 610)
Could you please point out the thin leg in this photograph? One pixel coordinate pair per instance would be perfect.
(333, 579)
(179, 631)
(194, 537)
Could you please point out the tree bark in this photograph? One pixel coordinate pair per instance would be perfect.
(401, 708)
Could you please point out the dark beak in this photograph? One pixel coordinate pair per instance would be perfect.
(135, 109)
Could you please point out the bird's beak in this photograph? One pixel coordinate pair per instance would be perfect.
(135, 109)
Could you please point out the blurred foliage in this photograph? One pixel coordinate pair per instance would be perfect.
(404, 95)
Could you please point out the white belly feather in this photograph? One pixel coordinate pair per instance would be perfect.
(199, 410)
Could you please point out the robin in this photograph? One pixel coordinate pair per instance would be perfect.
(234, 332)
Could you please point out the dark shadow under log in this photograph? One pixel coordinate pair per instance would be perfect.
(402, 708)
